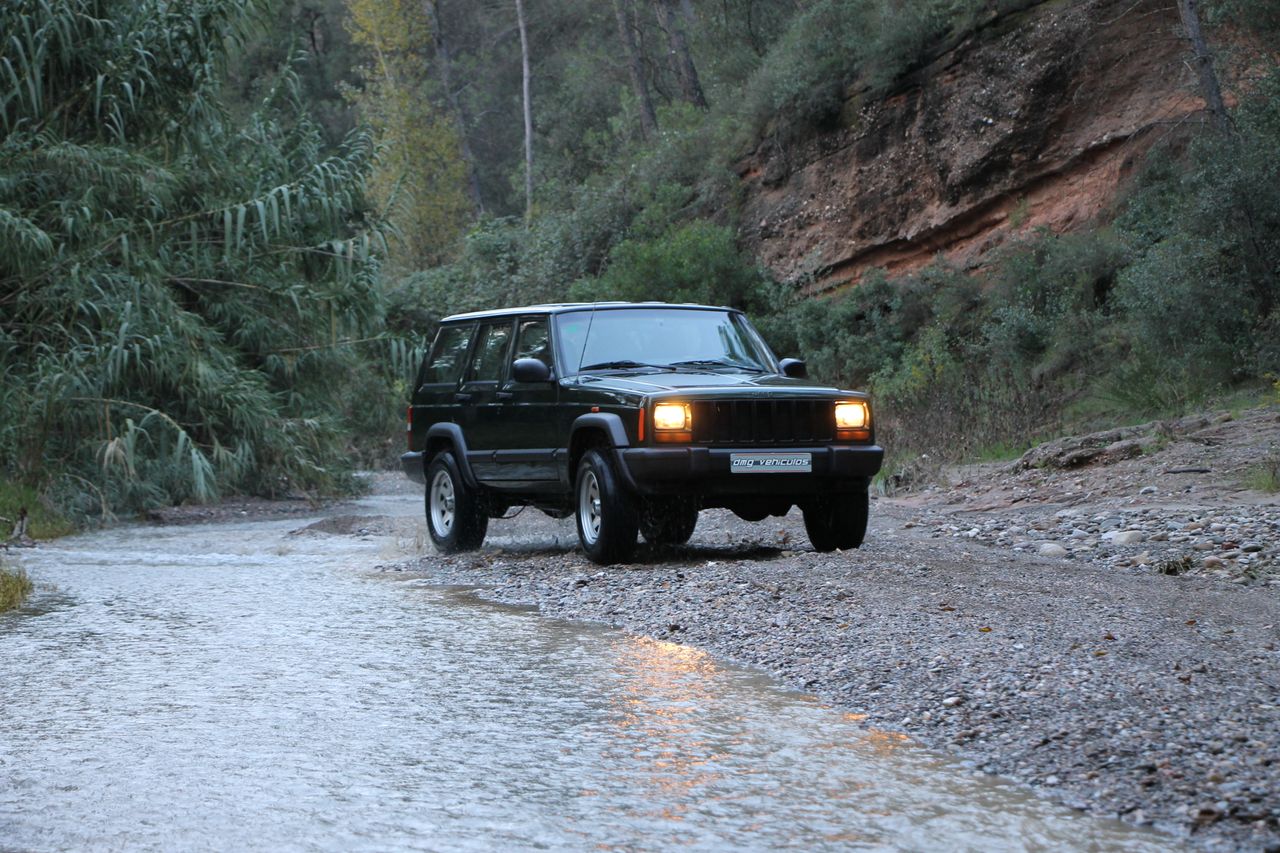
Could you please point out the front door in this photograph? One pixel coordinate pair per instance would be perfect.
(527, 446)
(480, 412)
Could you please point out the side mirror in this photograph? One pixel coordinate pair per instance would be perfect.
(794, 367)
(530, 370)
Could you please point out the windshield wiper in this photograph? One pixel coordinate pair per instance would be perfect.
(716, 362)
(623, 364)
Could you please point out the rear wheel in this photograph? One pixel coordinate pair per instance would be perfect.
(455, 518)
(837, 521)
(669, 522)
(605, 511)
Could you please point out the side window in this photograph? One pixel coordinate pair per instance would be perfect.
(490, 353)
(447, 355)
(534, 341)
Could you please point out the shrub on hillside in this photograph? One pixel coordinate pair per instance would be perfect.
(696, 262)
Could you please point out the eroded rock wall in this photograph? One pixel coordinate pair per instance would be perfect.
(1033, 121)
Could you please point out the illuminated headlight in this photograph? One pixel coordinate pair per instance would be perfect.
(672, 417)
(852, 416)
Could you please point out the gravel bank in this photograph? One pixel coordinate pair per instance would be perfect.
(1155, 698)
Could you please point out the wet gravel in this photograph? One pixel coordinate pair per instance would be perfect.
(1236, 544)
(1114, 689)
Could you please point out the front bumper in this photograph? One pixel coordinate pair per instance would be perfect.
(411, 462)
(706, 470)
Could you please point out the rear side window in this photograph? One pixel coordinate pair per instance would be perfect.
(534, 341)
(447, 355)
(490, 353)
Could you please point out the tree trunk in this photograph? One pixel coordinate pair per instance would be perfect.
(648, 119)
(445, 63)
(528, 113)
(1204, 64)
(681, 59)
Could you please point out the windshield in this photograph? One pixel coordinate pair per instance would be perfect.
(661, 338)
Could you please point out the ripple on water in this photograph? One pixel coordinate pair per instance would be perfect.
(232, 687)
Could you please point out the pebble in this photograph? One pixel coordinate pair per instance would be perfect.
(1051, 549)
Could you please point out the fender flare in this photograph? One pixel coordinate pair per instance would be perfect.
(453, 434)
(607, 422)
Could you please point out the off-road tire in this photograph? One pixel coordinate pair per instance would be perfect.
(837, 521)
(455, 518)
(605, 511)
(668, 521)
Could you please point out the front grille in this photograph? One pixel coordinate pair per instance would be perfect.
(763, 421)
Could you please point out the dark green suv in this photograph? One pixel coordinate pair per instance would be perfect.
(632, 417)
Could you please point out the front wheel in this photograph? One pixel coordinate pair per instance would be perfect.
(455, 519)
(605, 510)
(837, 521)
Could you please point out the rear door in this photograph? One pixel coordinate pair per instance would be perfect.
(480, 409)
(433, 399)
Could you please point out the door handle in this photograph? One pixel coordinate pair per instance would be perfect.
(461, 397)
(505, 395)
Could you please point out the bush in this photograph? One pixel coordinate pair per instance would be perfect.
(182, 294)
(801, 83)
(1199, 303)
(15, 586)
(697, 262)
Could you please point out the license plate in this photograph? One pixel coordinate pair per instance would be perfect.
(770, 463)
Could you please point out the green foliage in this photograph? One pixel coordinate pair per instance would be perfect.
(177, 291)
(419, 175)
(1261, 17)
(958, 365)
(1200, 300)
(696, 262)
(15, 586)
(1265, 475)
(802, 82)
(307, 38)
(43, 521)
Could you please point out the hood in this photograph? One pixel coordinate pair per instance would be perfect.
(710, 383)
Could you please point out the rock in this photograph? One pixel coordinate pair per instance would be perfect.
(1123, 537)
(1051, 549)
(951, 701)
(1147, 490)
(1118, 450)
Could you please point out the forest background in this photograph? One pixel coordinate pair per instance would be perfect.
(228, 227)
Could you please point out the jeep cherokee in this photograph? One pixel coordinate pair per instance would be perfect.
(632, 417)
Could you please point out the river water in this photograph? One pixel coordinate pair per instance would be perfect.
(243, 687)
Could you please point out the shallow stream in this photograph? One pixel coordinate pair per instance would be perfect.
(244, 687)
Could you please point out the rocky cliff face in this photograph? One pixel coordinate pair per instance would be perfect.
(1033, 121)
